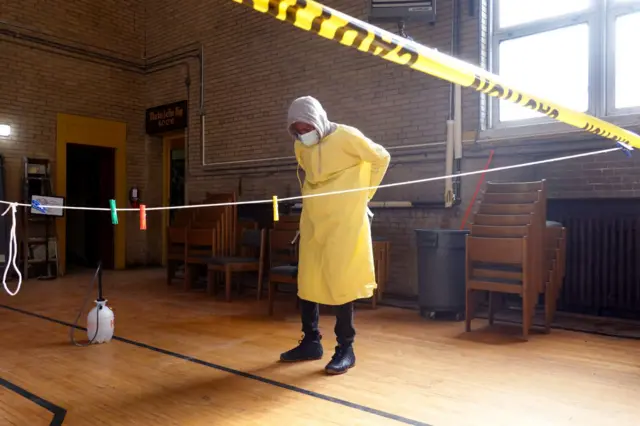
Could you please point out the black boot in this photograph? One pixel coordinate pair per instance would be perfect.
(342, 360)
(309, 349)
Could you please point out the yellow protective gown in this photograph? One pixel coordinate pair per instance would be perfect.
(336, 254)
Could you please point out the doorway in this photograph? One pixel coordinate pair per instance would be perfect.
(90, 182)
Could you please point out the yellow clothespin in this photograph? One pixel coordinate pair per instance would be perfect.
(276, 216)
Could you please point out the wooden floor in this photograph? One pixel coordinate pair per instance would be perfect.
(186, 359)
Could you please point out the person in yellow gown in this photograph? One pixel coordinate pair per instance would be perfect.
(336, 254)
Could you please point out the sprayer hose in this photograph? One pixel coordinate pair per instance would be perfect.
(84, 304)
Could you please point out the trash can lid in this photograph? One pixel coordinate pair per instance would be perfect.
(451, 238)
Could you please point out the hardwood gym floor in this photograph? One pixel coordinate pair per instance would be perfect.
(185, 359)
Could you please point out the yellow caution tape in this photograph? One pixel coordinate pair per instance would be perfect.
(329, 23)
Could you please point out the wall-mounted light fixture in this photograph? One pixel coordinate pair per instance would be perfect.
(5, 130)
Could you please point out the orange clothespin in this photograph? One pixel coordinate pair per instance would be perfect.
(143, 217)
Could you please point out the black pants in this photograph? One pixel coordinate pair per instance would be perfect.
(345, 332)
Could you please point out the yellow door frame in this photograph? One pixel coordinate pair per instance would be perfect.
(167, 144)
(94, 132)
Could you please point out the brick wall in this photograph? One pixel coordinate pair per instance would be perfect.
(254, 67)
(610, 175)
(35, 85)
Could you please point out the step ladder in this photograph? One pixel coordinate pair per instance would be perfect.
(39, 242)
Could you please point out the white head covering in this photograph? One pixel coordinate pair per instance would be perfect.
(308, 110)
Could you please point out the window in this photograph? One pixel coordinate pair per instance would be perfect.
(577, 53)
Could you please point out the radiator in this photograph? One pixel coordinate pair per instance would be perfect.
(603, 256)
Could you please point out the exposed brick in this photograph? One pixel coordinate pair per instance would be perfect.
(254, 67)
(35, 86)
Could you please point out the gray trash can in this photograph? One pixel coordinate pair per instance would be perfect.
(441, 272)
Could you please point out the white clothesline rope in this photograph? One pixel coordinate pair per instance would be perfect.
(12, 205)
(301, 197)
(13, 251)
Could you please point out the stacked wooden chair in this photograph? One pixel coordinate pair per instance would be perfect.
(283, 255)
(211, 238)
(555, 245)
(510, 250)
(381, 261)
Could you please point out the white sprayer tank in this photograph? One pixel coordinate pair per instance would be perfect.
(100, 319)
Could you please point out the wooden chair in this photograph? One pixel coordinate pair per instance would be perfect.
(502, 220)
(511, 198)
(228, 219)
(288, 222)
(244, 223)
(283, 259)
(496, 299)
(213, 218)
(513, 187)
(381, 256)
(502, 204)
(200, 249)
(506, 209)
(499, 231)
(555, 246)
(505, 203)
(517, 187)
(182, 218)
(499, 265)
(176, 250)
(251, 259)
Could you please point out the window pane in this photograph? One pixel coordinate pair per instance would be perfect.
(626, 65)
(516, 12)
(553, 65)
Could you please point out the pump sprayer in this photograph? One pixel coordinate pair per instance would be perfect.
(100, 321)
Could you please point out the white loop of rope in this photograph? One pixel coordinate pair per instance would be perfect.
(346, 191)
(13, 245)
(13, 251)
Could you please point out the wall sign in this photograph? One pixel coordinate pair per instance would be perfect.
(166, 118)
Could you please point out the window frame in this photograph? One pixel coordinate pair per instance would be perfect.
(600, 16)
(614, 12)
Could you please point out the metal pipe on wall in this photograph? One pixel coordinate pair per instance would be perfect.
(457, 128)
(457, 147)
(96, 57)
(448, 183)
(454, 121)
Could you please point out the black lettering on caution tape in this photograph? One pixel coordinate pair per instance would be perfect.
(409, 56)
(479, 83)
(316, 25)
(378, 47)
(273, 8)
(484, 85)
(604, 133)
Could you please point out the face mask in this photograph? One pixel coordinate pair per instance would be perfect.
(310, 138)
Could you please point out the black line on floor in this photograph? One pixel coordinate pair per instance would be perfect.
(229, 370)
(59, 413)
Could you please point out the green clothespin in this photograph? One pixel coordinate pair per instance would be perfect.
(114, 213)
